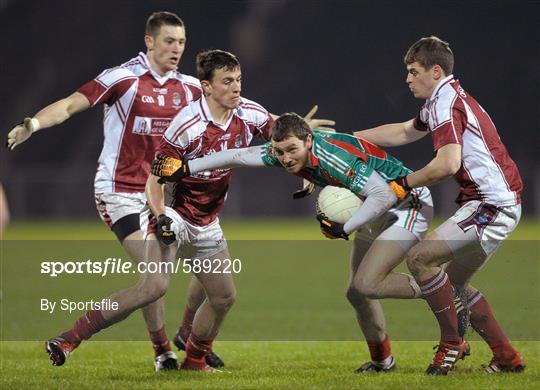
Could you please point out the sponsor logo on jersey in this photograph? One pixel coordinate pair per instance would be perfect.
(150, 126)
(161, 91)
(356, 180)
(176, 99)
(147, 99)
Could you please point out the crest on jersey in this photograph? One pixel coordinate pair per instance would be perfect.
(350, 173)
(176, 99)
(238, 141)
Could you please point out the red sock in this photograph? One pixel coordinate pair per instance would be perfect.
(160, 341)
(438, 293)
(197, 349)
(187, 323)
(379, 350)
(85, 326)
(484, 323)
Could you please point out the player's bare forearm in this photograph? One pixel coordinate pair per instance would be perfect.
(394, 134)
(62, 110)
(445, 164)
(154, 195)
(51, 115)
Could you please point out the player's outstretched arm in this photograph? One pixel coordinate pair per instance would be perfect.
(232, 158)
(172, 169)
(394, 134)
(445, 164)
(51, 115)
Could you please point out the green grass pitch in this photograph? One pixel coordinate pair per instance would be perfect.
(291, 326)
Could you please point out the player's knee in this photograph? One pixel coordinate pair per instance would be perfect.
(354, 295)
(417, 260)
(224, 301)
(152, 290)
(368, 288)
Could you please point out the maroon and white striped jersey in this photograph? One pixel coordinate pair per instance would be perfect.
(193, 134)
(487, 172)
(139, 105)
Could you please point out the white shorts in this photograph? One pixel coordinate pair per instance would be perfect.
(481, 223)
(113, 206)
(413, 215)
(194, 242)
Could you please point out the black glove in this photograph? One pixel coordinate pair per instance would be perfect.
(332, 230)
(164, 232)
(169, 169)
(401, 187)
(306, 190)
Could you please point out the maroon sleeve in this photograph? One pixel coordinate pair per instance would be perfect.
(418, 124)
(450, 131)
(195, 91)
(97, 93)
(264, 131)
(170, 150)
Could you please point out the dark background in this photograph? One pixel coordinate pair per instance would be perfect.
(345, 56)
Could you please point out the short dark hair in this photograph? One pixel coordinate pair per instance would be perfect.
(158, 19)
(211, 60)
(431, 51)
(289, 124)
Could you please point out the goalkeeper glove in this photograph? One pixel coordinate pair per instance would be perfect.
(164, 232)
(169, 169)
(330, 229)
(401, 187)
(22, 132)
(307, 189)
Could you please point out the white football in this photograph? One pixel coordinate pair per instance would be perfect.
(337, 203)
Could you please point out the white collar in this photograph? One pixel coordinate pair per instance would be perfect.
(207, 115)
(160, 79)
(444, 81)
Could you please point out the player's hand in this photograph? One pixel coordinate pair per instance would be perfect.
(307, 189)
(164, 232)
(169, 169)
(332, 230)
(21, 133)
(319, 124)
(401, 188)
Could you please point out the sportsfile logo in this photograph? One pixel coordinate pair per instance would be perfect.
(115, 266)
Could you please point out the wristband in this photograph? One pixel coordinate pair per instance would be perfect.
(402, 181)
(35, 124)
